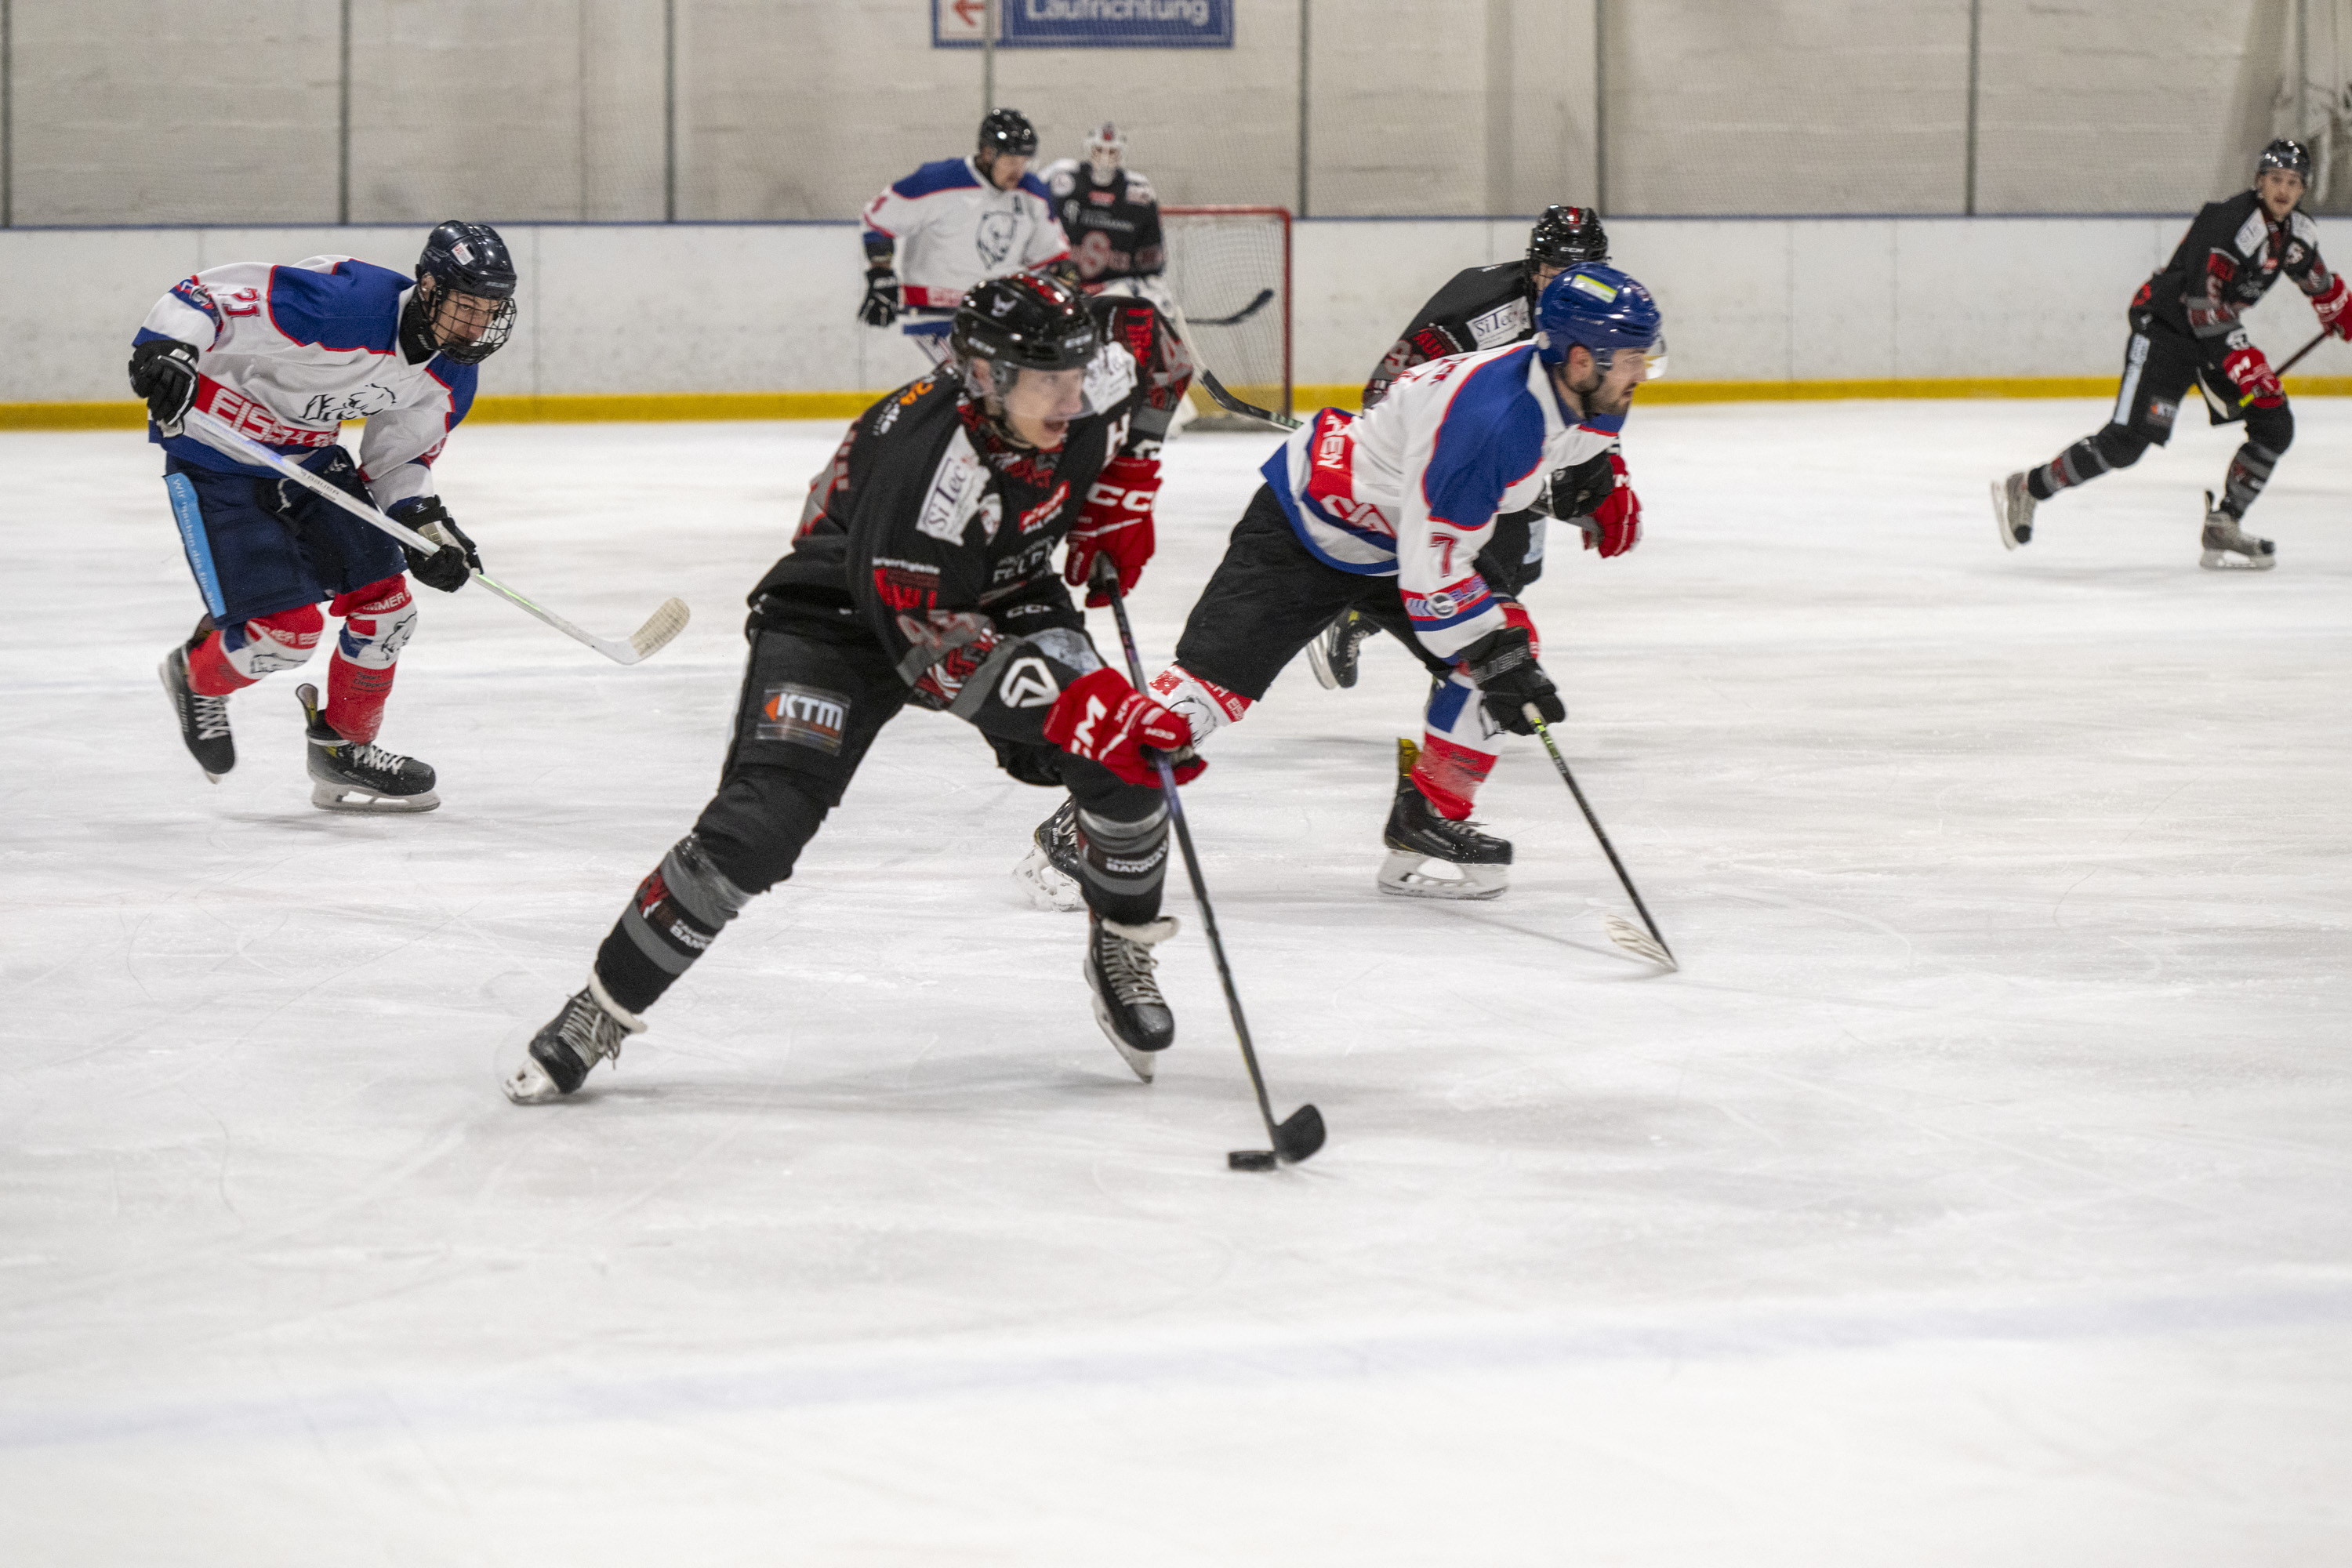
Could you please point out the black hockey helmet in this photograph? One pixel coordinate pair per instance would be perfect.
(469, 258)
(1567, 236)
(1008, 130)
(2287, 154)
(1025, 322)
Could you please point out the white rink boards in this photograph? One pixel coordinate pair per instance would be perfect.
(1977, 1195)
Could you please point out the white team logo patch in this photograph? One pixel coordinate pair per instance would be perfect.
(958, 487)
(993, 239)
(1499, 325)
(1028, 684)
(463, 252)
(1441, 604)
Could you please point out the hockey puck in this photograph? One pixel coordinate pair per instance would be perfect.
(1251, 1160)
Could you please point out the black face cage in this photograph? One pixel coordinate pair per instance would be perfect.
(494, 336)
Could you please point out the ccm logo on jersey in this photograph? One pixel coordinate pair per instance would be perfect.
(1028, 684)
(804, 716)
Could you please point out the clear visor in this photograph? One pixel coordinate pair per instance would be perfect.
(1653, 359)
(1046, 396)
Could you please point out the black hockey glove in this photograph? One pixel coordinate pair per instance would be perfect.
(880, 306)
(447, 567)
(163, 372)
(1504, 665)
(1579, 491)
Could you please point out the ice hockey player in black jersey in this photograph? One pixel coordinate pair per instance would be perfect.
(1484, 308)
(1109, 212)
(927, 577)
(2186, 329)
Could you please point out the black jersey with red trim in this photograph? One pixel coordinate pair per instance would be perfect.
(2232, 253)
(1481, 308)
(1113, 226)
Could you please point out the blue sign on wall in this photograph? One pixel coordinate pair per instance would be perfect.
(1087, 24)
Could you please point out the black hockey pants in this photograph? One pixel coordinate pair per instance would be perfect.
(2159, 367)
(812, 704)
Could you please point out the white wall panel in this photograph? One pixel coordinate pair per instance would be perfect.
(760, 307)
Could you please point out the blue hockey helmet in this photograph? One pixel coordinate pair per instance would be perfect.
(1600, 309)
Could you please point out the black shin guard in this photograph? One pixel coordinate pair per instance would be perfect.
(2115, 447)
(676, 913)
(1124, 864)
(2269, 433)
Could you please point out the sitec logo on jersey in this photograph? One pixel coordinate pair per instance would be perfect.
(804, 716)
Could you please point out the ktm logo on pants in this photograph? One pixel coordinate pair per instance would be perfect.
(804, 716)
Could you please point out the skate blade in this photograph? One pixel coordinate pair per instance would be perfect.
(1045, 887)
(362, 802)
(2230, 561)
(2009, 540)
(1640, 943)
(1401, 874)
(1321, 663)
(1143, 1063)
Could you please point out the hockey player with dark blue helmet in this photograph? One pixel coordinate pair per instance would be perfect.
(1387, 513)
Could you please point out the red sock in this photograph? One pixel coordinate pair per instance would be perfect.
(1448, 775)
(355, 697)
(210, 674)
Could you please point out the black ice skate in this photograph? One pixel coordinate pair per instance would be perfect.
(347, 776)
(1128, 1004)
(203, 720)
(589, 1028)
(2230, 548)
(2012, 511)
(1335, 651)
(1049, 873)
(1417, 837)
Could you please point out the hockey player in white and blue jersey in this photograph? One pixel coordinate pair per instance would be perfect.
(284, 354)
(949, 226)
(1386, 514)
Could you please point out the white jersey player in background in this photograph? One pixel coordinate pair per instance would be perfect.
(955, 223)
(284, 355)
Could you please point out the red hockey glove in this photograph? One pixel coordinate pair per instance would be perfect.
(1117, 522)
(1619, 517)
(2330, 303)
(2250, 373)
(1515, 614)
(1102, 718)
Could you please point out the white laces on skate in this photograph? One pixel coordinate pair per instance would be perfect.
(210, 715)
(375, 756)
(591, 1032)
(1128, 966)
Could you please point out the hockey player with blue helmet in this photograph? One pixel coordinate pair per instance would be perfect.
(1387, 512)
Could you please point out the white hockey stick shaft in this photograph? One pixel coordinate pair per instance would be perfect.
(665, 622)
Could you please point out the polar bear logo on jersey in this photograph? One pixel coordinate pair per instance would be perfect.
(993, 239)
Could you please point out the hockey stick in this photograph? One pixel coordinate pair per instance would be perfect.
(1264, 297)
(1231, 404)
(2293, 360)
(667, 621)
(1300, 1136)
(1620, 931)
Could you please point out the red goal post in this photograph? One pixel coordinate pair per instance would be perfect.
(1229, 270)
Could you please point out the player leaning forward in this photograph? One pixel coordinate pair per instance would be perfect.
(926, 576)
(285, 354)
(2186, 329)
(1390, 510)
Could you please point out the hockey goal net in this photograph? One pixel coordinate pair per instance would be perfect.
(1229, 268)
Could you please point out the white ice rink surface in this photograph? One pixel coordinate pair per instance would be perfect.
(1978, 1193)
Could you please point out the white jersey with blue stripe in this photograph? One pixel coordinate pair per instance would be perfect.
(953, 228)
(285, 354)
(1412, 489)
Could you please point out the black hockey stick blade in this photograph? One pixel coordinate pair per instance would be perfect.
(1264, 297)
(1231, 404)
(1300, 1136)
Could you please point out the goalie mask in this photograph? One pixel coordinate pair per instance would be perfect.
(464, 306)
(1105, 147)
(1600, 309)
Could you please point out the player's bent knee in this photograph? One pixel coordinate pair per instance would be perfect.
(755, 827)
(2271, 427)
(378, 621)
(2120, 445)
(269, 643)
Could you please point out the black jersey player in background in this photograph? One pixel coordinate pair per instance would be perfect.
(1484, 308)
(926, 576)
(2186, 329)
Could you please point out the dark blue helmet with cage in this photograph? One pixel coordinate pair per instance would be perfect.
(467, 260)
(1600, 309)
